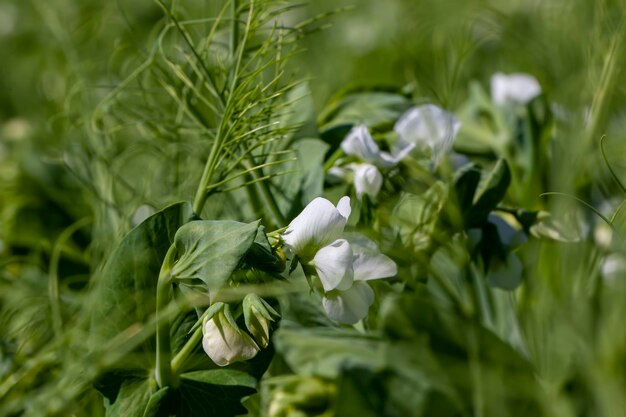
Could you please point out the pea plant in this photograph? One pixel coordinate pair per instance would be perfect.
(245, 252)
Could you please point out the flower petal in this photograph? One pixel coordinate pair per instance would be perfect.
(333, 264)
(427, 125)
(368, 266)
(343, 207)
(351, 305)
(360, 143)
(513, 88)
(367, 180)
(367, 261)
(317, 225)
(225, 344)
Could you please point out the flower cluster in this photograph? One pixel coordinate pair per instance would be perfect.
(342, 266)
(425, 127)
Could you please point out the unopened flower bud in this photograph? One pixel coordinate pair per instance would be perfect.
(258, 314)
(224, 341)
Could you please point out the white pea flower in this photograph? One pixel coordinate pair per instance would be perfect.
(513, 88)
(367, 180)
(427, 126)
(367, 176)
(333, 264)
(360, 143)
(352, 304)
(313, 236)
(224, 341)
(319, 224)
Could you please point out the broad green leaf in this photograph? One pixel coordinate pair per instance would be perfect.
(214, 393)
(261, 256)
(132, 400)
(465, 183)
(125, 290)
(211, 250)
(157, 404)
(323, 352)
(227, 377)
(491, 190)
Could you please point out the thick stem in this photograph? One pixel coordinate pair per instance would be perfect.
(164, 375)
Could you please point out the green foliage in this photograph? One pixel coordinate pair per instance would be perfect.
(202, 393)
(125, 291)
(510, 252)
(211, 250)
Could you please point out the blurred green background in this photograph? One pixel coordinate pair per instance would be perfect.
(60, 58)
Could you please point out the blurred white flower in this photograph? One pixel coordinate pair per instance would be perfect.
(613, 267)
(224, 341)
(427, 126)
(352, 304)
(360, 143)
(367, 180)
(513, 88)
(319, 224)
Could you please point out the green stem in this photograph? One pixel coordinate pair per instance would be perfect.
(188, 348)
(164, 376)
(333, 158)
(207, 174)
(53, 275)
(211, 164)
(261, 186)
(235, 29)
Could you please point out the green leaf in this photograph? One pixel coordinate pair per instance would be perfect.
(262, 256)
(157, 404)
(490, 192)
(133, 400)
(125, 290)
(465, 183)
(226, 377)
(214, 393)
(211, 250)
(323, 352)
(458, 346)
